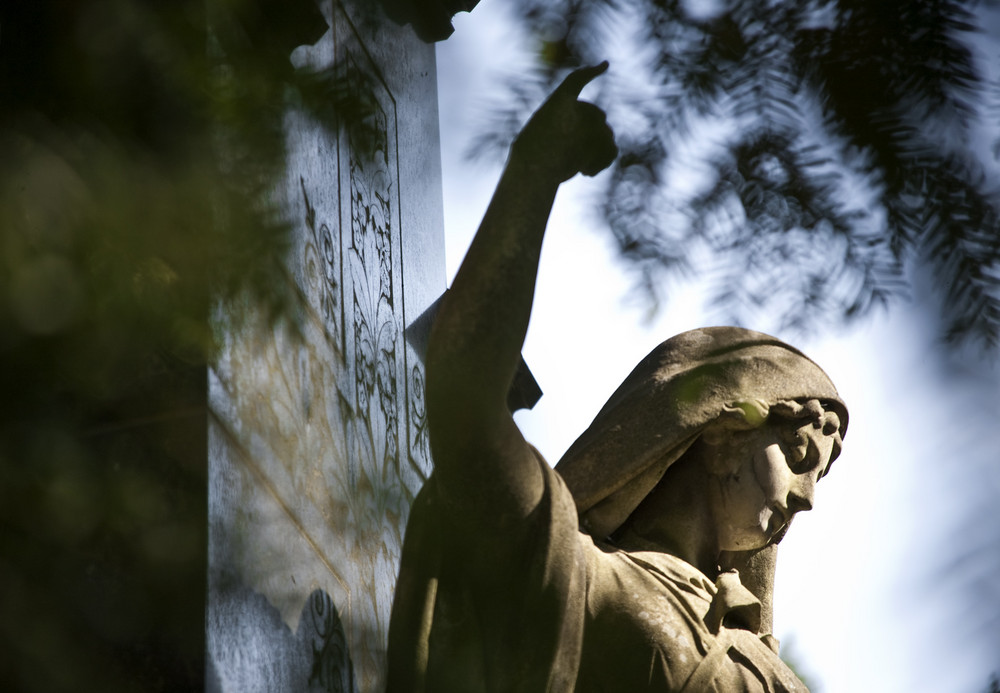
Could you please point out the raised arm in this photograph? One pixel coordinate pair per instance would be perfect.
(482, 462)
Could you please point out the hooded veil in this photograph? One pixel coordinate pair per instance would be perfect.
(682, 386)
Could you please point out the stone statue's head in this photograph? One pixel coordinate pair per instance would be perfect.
(734, 396)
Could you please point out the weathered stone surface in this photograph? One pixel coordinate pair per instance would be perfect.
(317, 440)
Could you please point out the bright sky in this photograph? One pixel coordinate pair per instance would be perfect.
(893, 582)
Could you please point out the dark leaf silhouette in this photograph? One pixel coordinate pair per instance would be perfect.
(838, 136)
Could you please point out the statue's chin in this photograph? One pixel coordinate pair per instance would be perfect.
(748, 538)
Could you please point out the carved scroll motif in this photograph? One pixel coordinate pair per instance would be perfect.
(331, 669)
(322, 267)
(419, 442)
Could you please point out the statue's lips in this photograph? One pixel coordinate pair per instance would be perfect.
(780, 517)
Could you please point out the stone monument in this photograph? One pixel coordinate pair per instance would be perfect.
(318, 433)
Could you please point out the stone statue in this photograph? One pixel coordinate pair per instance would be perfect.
(644, 562)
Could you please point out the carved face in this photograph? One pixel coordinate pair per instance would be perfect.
(768, 475)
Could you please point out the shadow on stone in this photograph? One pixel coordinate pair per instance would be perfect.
(252, 649)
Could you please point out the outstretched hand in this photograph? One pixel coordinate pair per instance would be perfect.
(566, 135)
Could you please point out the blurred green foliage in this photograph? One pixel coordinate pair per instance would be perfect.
(139, 144)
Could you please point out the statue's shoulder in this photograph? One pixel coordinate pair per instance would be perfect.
(663, 567)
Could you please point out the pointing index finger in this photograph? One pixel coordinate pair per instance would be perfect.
(577, 79)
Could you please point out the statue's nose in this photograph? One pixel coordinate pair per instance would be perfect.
(800, 497)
